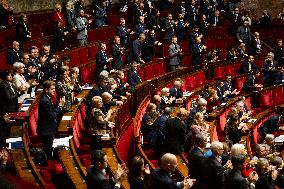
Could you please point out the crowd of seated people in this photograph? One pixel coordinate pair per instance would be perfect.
(187, 131)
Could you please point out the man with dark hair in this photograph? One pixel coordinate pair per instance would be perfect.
(97, 176)
(234, 178)
(48, 114)
(196, 159)
(133, 77)
(251, 82)
(248, 65)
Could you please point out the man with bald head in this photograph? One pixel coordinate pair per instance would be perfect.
(157, 100)
(14, 54)
(161, 177)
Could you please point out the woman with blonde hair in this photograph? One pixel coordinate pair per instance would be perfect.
(199, 126)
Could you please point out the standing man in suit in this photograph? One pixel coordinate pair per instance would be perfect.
(243, 33)
(137, 48)
(270, 71)
(279, 53)
(198, 50)
(48, 114)
(122, 31)
(161, 177)
(169, 27)
(102, 60)
(140, 27)
(215, 18)
(212, 169)
(174, 132)
(175, 52)
(234, 178)
(82, 25)
(149, 46)
(236, 20)
(196, 159)
(14, 54)
(22, 32)
(117, 54)
(133, 78)
(256, 45)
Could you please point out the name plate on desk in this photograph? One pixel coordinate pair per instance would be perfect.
(87, 88)
(186, 94)
(15, 143)
(66, 118)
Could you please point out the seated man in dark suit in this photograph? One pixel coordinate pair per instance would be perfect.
(234, 178)
(176, 91)
(98, 174)
(212, 169)
(133, 78)
(196, 159)
(270, 126)
(161, 177)
(229, 88)
(48, 114)
(248, 66)
(250, 84)
(14, 54)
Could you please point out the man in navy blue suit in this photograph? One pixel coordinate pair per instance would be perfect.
(133, 78)
(102, 60)
(14, 54)
(48, 114)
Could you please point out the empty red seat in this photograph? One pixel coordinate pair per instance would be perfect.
(266, 98)
(240, 82)
(92, 50)
(74, 58)
(219, 73)
(278, 95)
(200, 79)
(190, 83)
(83, 55)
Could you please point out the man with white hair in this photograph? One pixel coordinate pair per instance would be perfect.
(175, 91)
(201, 107)
(213, 170)
(161, 177)
(270, 71)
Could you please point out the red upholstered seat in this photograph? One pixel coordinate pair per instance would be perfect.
(266, 98)
(3, 61)
(83, 55)
(240, 82)
(219, 73)
(149, 72)
(190, 83)
(92, 36)
(125, 144)
(230, 69)
(92, 50)
(74, 57)
(87, 73)
(278, 95)
(222, 124)
(200, 79)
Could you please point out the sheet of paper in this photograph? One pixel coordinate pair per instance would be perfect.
(9, 140)
(66, 118)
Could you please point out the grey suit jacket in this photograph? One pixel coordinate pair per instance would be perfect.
(174, 54)
(81, 23)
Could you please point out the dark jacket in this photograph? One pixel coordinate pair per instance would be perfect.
(48, 115)
(133, 78)
(174, 132)
(13, 56)
(162, 179)
(235, 180)
(9, 98)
